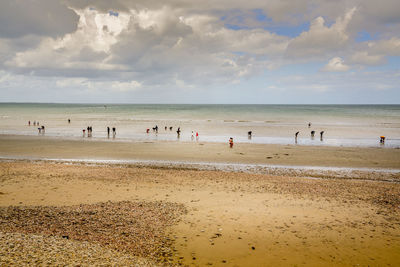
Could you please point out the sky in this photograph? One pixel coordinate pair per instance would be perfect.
(184, 51)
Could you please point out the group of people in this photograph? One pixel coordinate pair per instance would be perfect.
(197, 136)
(312, 135)
(89, 131)
(34, 123)
(155, 130)
(41, 129)
(114, 132)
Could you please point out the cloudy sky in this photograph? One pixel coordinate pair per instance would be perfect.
(180, 51)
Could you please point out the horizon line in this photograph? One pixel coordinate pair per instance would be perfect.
(154, 103)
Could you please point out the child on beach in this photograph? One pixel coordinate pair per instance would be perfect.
(231, 142)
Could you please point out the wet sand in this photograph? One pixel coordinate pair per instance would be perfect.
(290, 155)
(231, 219)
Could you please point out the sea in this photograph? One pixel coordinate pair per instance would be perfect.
(343, 125)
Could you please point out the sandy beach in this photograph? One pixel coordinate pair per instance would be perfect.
(135, 213)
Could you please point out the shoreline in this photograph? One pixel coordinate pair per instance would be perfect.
(299, 156)
(391, 143)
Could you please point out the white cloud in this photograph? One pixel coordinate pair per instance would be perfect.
(320, 39)
(115, 86)
(125, 86)
(389, 47)
(364, 58)
(86, 48)
(336, 64)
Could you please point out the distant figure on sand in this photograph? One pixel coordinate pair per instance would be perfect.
(42, 129)
(69, 120)
(114, 131)
(231, 142)
(312, 134)
(309, 125)
(29, 123)
(192, 136)
(197, 136)
(321, 134)
(249, 134)
(295, 136)
(147, 130)
(170, 128)
(382, 140)
(178, 132)
(166, 127)
(83, 132)
(108, 131)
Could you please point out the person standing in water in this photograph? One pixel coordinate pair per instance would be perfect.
(231, 142)
(114, 131)
(321, 134)
(108, 131)
(295, 136)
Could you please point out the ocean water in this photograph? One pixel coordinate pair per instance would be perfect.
(343, 125)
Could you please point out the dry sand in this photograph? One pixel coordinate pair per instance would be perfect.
(232, 219)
